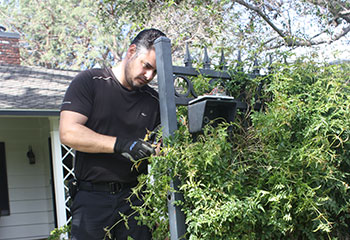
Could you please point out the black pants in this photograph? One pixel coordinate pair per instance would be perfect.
(92, 212)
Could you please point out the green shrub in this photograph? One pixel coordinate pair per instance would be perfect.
(284, 176)
(59, 233)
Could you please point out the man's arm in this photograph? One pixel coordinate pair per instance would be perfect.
(75, 134)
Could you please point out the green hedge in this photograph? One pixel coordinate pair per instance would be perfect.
(284, 175)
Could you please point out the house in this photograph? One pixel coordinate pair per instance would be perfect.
(33, 164)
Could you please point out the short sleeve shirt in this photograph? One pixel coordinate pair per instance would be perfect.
(111, 110)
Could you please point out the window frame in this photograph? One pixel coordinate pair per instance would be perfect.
(4, 190)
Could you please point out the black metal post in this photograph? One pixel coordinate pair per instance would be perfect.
(169, 123)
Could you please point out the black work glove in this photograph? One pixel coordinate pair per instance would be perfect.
(133, 149)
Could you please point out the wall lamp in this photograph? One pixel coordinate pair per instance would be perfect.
(30, 155)
(206, 108)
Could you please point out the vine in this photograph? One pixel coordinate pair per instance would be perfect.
(283, 176)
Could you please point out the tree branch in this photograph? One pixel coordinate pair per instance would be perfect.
(292, 41)
(261, 14)
(335, 7)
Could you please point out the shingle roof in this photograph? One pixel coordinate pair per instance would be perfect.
(27, 90)
(32, 89)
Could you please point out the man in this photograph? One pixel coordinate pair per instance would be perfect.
(104, 115)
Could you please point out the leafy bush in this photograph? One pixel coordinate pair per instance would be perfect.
(59, 233)
(284, 176)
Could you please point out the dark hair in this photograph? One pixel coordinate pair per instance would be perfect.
(146, 38)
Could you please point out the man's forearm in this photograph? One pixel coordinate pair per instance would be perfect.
(84, 139)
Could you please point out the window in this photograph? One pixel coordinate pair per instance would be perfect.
(4, 193)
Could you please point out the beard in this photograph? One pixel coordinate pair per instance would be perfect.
(129, 78)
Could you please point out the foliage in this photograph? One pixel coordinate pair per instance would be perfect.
(79, 34)
(57, 233)
(61, 34)
(247, 24)
(285, 176)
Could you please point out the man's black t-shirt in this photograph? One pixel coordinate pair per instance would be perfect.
(112, 110)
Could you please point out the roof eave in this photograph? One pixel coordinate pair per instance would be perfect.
(30, 112)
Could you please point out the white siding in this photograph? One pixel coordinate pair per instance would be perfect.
(31, 203)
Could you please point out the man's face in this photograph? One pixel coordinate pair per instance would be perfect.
(140, 68)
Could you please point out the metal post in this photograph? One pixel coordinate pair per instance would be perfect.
(169, 123)
(166, 86)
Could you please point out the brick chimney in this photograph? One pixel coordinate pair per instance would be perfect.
(9, 47)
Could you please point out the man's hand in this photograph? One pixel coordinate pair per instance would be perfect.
(153, 138)
(133, 149)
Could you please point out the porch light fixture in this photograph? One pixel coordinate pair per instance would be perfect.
(30, 155)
